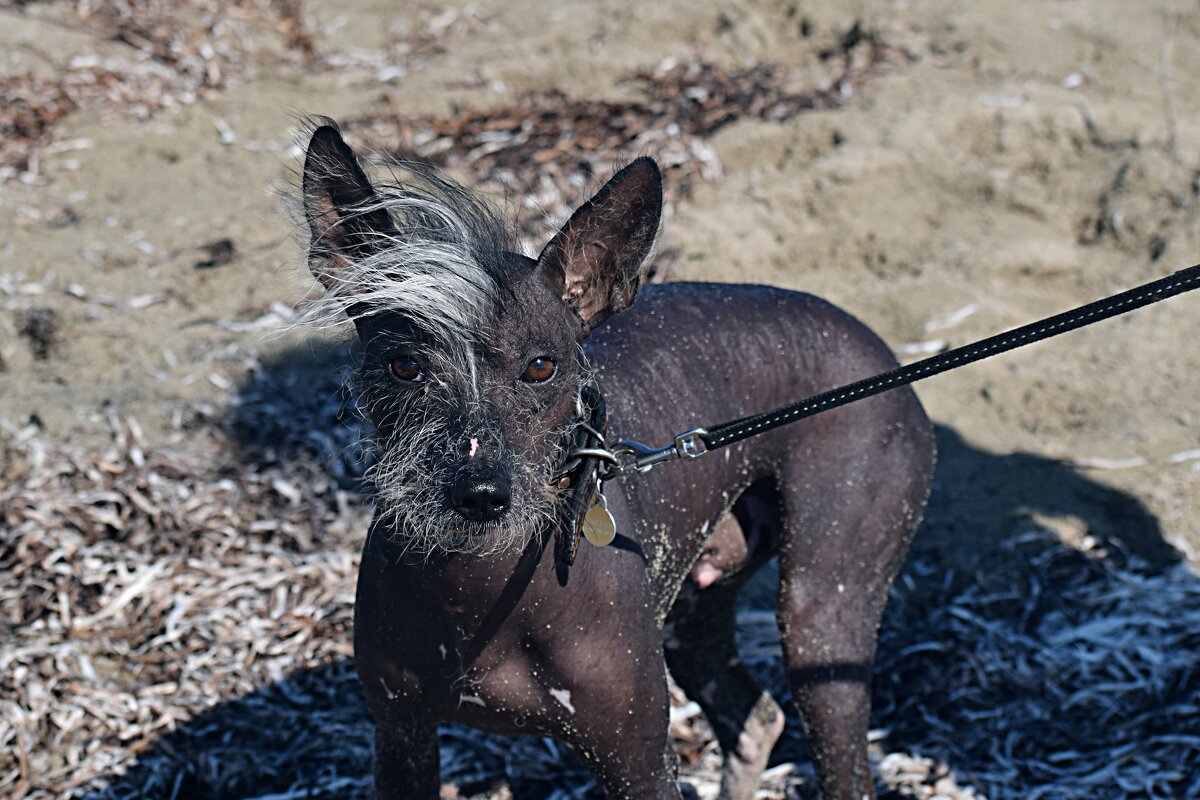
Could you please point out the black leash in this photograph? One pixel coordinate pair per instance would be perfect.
(626, 457)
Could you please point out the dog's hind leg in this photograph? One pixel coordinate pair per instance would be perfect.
(848, 521)
(828, 655)
(702, 656)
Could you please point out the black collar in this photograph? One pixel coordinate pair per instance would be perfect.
(578, 479)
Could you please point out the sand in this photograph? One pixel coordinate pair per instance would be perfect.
(1024, 158)
(1005, 161)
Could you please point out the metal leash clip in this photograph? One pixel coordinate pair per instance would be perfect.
(629, 456)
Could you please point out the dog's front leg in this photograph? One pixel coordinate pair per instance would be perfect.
(407, 766)
(401, 653)
(604, 682)
(619, 730)
(406, 760)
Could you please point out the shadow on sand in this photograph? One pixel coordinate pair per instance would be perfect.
(1020, 665)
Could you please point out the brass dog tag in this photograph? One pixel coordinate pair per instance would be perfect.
(599, 527)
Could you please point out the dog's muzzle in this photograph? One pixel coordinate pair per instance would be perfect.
(481, 494)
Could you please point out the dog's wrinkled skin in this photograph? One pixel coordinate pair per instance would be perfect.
(460, 616)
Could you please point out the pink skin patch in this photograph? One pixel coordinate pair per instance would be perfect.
(705, 574)
(474, 447)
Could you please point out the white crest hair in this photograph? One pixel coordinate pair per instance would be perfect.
(439, 266)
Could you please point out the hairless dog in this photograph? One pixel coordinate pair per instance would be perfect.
(475, 375)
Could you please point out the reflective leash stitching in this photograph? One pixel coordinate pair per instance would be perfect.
(626, 457)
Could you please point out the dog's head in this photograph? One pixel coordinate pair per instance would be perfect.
(471, 370)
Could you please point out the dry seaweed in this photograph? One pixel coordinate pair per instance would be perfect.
(176, 623)
(142, 586)
(547, 148)
(42, 328)
(29, 108)
(174, 53)
(217, 253)
(175, 619)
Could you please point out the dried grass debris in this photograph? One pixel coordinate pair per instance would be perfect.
(174, 53)
(175, 620)
(30, 107)
(42, 327)
(142, 586)
(547, 148)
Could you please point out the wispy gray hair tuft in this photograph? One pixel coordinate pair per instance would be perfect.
(440, 265)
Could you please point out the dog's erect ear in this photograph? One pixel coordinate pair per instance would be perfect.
(342, 209)
(596, 259)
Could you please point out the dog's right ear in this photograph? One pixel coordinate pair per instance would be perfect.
(344, 215)
(596, 260)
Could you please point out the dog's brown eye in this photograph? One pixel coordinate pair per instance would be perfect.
(407, 369)
(539, 370)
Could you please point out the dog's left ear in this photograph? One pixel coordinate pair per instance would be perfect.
(343, 211)
(596, 260)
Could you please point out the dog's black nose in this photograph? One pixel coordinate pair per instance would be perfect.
(481, 497)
